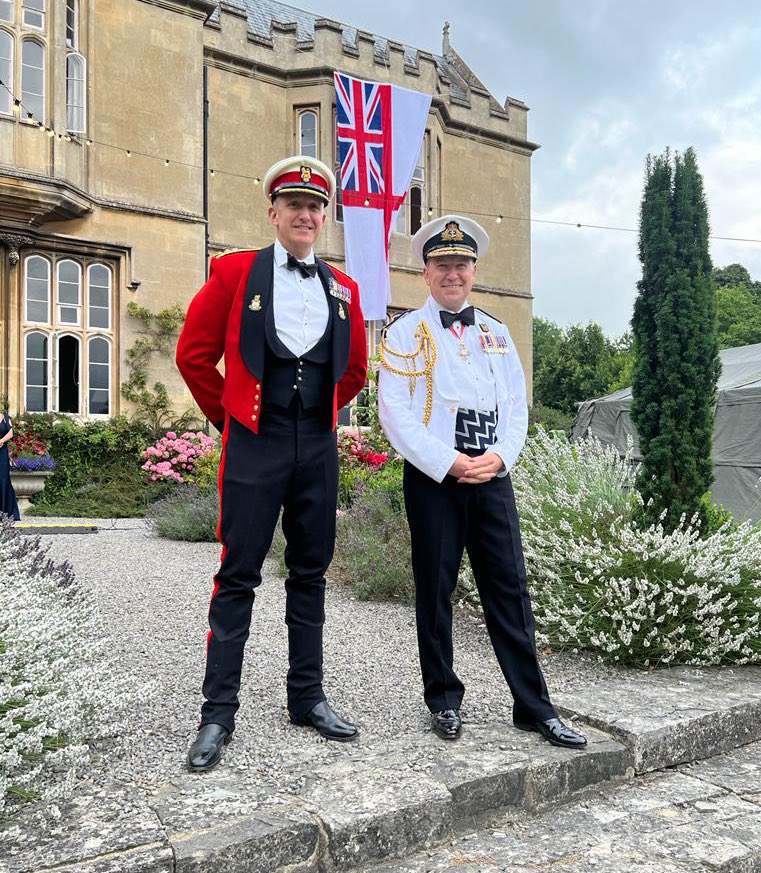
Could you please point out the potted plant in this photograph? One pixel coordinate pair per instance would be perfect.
(31, 465)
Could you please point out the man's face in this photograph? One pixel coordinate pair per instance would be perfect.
(299, 219)
(449, 279)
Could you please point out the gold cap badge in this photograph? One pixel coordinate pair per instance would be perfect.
(306, 174)
(452, 233)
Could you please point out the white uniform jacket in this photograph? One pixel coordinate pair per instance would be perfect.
(430, 448)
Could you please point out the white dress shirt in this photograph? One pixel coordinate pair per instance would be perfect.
(300, 306)
(476, 388)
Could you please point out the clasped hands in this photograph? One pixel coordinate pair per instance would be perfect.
(474, 471)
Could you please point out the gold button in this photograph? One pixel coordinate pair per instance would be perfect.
(253, 418)
(256, 407)
(453, 409)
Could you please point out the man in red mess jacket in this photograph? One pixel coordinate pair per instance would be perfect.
(292, 334)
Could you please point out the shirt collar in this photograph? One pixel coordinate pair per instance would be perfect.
(281, 255)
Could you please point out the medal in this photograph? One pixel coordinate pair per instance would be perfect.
(256, 304)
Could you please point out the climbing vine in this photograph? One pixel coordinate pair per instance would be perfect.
(153, 404)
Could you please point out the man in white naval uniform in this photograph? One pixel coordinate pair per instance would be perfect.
(452, 401)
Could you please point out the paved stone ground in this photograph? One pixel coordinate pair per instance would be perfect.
(286, 801)
(699, 817)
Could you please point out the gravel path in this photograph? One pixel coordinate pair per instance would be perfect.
(154, 595)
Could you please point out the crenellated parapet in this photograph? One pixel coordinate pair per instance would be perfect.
(281, 43)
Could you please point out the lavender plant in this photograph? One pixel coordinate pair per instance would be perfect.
(59, 687)
(638, 595)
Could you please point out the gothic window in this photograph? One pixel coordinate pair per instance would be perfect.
(99, 285)
(99, 376)
(72, 24)
(76, 109)
(68, 377)
(36, 372)
(308, 133)
(37, 289)
(69, 291)
(33, 78)
(6, 11)
(6, 68)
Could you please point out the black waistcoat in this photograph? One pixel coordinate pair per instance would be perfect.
(307, 376)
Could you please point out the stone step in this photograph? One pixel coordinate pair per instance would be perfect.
(700, 817)
(414, 792)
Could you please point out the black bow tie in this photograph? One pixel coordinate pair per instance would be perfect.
(308, 271)
(465, 316)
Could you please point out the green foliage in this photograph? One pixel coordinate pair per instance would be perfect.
(188, 513)
(738, 316)
(356, 479)
(84, 452)
(153, 405)
(735, 275)
(550, 419)
(677, 365)
(206, 470)
(547, 337)
(578, 364)
(373, 546)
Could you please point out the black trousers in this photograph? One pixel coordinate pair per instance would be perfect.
(444, 519)
(292, 463)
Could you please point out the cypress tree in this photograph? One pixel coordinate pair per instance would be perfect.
(676, 349)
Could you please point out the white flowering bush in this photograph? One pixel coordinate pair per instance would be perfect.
(59, 688)
(636, 595)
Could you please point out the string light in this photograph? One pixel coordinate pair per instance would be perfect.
(499, 218)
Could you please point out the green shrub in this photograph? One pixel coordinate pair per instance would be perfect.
(189, 514)
(373, 546)
(206, 470)
(355, 479)
(549, 418)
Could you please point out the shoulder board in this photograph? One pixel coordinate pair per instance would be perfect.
(396, 318)
(232, 252)
(494, 317)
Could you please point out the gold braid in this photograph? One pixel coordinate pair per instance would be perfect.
(426, 346)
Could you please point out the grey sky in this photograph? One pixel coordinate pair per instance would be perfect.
(607, 82)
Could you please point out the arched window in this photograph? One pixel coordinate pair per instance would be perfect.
(37, 289)
(99, 296)
(69, 374)
(99, 376)
(36, 372)
(72, 24)
(76, 108)
(308, 134)
(69, 276)
(34, 13)
(6, 68)
(6, 11)
(33, 78)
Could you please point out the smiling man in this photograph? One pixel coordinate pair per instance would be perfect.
(293, 338)
(452, 400)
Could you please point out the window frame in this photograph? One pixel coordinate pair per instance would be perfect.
(42, 13)
(78, 305)
(72, 5)
(110, 287)
(302, 113)
(11, 4)
(46, 336)
(109, 365)
(11, 78)
(71, 107)
(26, 99)
(48, 322)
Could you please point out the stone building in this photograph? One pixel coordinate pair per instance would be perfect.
(133, 137)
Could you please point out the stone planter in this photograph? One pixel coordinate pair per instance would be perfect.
(26, 484)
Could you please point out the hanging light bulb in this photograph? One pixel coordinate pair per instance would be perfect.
(166, 162)
(430, 211)
(257, 180)
(51, 132)
(16, 106)
(88, 142)
(211, 172)
(499, 219)
(129, 153)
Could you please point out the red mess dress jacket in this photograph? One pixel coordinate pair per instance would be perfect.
(227, 318)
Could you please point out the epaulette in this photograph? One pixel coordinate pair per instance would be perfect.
(396, 318)
(498, 320)
(232, 252)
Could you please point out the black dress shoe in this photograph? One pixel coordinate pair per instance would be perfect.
(327, 723)
(447, 724)
(555, 732)
(206, 751)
